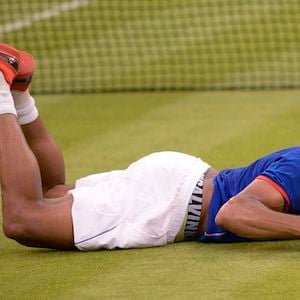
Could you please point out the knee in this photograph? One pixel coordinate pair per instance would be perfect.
(14, 226)
(12, 230)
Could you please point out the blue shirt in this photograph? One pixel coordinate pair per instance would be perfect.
(281, 169)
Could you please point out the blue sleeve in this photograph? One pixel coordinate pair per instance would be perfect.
(285, 172)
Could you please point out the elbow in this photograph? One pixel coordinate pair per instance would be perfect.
(227, 214)
(236, 216)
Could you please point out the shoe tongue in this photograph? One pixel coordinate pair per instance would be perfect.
(10, 60)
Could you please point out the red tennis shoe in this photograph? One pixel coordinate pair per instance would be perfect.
(9, 62)
(26, 69)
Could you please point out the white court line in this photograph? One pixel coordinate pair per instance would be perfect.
(43, 15)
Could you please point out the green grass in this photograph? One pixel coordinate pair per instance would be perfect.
(101, 132)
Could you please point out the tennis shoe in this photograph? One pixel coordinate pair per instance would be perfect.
(26, 69)
(9, 62)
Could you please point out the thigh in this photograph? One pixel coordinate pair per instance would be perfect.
(49, 224)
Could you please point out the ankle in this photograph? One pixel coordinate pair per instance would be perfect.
(25, 106)
(6, 99)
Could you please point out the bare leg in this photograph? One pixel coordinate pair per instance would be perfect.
(27, 217)
(47, 153)
(49, 158)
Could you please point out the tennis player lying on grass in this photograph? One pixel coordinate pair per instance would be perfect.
(161, 198)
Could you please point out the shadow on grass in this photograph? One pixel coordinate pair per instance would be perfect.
(258, 246)
(233, 248)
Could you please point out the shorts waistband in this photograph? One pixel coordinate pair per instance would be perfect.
(190, 225)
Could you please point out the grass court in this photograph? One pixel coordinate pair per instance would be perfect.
(100, 132)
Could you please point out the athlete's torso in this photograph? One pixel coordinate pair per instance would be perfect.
(282, 168)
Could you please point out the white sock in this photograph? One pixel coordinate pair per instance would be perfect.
(6, 100)
(25, 106)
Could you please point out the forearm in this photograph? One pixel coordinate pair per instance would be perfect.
(250, 218)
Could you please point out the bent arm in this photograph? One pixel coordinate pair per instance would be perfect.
(256, 213)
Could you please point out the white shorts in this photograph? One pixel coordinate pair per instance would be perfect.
(142, 206)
